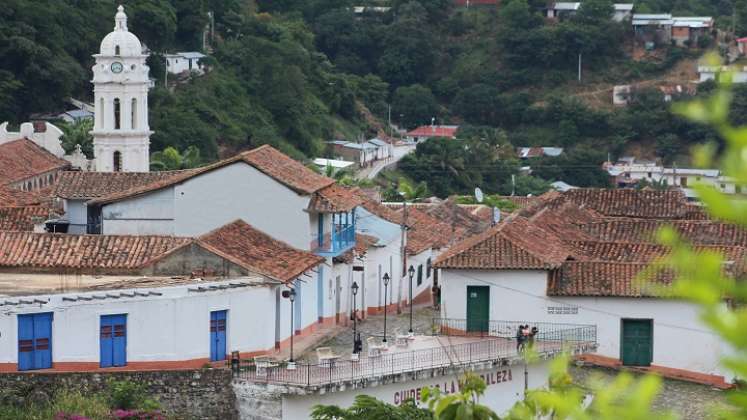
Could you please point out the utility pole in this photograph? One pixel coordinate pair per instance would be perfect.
(579, 67)
(513, 185)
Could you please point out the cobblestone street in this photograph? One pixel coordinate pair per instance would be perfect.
(688, 400)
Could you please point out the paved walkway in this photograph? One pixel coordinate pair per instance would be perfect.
(373, 171)
(422, 323)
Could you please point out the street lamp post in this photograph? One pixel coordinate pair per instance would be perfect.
(291, 296)
(386, 283)
(411, 273)
(356, 339)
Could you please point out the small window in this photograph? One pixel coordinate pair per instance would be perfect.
(428, 268)
(117, 161)
(649, 174)
(723, 186)
(133, 114)
(133, 67)
(116, 50)
(683, 181)
(117, 122)
(420, 274)
(738, 189)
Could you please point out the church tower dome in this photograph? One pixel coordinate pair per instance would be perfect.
(121, 37)
(121, 135)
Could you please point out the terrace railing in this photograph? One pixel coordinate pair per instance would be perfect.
(546, 331)
(494, 347)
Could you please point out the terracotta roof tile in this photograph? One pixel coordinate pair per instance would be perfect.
(22, 219)
(635, 252)
(258, 252)
(90, 185)
(425, 231)
(334, 199)
(669, 204)
(286, 169)
(696, 231)
(451, 213)
(266, 159)
(23, 159)
(607, 279)
(61, 251)
(11, 197)
(515, 244)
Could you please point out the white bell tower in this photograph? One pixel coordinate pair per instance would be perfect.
(121, 135)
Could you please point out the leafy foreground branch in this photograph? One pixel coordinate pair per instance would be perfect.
(699, 277)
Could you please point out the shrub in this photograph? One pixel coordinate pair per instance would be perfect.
(126, 395)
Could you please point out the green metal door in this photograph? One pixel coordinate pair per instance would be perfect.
(637, 342)
(478, 308)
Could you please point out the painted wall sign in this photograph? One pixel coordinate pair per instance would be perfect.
(451, 386)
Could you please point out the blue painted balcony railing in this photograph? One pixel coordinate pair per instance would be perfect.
(341, 239)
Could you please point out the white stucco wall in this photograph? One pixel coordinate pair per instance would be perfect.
(171, 327)
(209, 201)
(521, 296)
(77, 214)
(152, 214)
(503, 391)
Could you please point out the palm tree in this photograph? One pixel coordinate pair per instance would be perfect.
(78, 133)
(170, 159)
(410, 192)
(368, 407)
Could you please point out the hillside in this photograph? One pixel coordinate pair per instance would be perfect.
(295, 73)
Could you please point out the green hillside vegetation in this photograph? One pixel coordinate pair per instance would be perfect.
(295, 73)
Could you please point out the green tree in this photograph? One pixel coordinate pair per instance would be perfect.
(171, 159)
(367, 407)
(78, 133)
(462, 405)
(417, 105)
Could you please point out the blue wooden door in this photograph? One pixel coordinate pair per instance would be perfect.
(35, 341)
(217, 335)
(113, 340)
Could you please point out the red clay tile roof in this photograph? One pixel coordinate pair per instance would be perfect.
(286, 170)
(11, 197)
(451, 213)
(670, 204)
(61, 251)
(695, 231)
(519, 200)
(22, 219)
(376, 208)
(266, 159)
(516, 244)
(258, 252)
(647, 252)
(607, 279)
(334, 199)
(425, 231)
(23, 159)
(433, 131)
(90, 185)
(362, 243)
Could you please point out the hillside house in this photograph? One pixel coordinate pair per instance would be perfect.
(628, 172)
(574, 257)
(181, 62)
(561, 10)
(534, 152)
(687, 31)
(363, 154)
(426, 132)
(653, 29)
(737, 73)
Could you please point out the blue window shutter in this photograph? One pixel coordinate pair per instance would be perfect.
(25, 342)
(105, 340)
(119, 340)
(43, 340)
